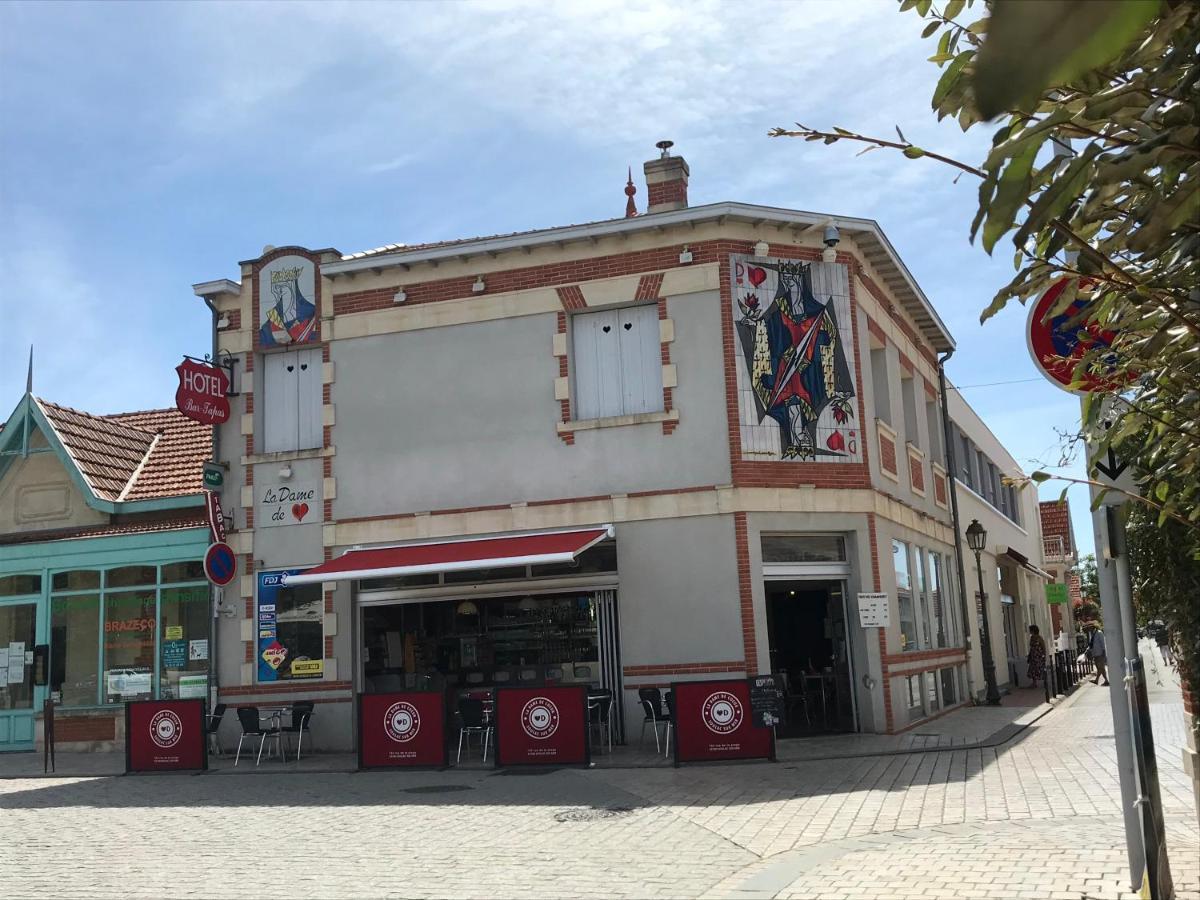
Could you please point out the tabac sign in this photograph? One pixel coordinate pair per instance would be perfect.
(203, 392)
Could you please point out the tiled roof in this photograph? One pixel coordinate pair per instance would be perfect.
(175, 523)
(392, 248)
(1056, 519)
(133, 456)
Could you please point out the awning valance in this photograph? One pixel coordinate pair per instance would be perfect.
(454, 555)
(1023, 561)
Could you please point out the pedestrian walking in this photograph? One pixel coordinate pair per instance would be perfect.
(1037, 656)
(1162, 637)
(1096, 651)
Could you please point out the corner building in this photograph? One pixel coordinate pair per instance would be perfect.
(669, 446)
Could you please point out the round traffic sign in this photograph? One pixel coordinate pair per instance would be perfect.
(220, 563)
(1057, 343)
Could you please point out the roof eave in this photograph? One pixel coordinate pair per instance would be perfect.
(216, 288)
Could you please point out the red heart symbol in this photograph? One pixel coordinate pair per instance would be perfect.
(757, 275)
(299, 510)
(836, 442)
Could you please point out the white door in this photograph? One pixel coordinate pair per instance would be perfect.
(641, 359)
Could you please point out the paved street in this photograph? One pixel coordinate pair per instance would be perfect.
(1035, 817)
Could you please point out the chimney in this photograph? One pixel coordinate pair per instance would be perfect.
(666, 180)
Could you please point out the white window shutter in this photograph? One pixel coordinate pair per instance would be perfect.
(641, 360)
(279, 402)
(584, 366)
(309, 396)
(608, 364)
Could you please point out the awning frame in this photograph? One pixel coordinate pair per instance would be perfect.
(1022, 560)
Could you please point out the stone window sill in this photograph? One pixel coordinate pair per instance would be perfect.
(671, 415)
(287, 455)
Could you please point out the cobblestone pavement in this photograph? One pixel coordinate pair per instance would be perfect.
(1036, 817)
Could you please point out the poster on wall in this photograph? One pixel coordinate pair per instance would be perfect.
(287, 302)
(796, 378)
(287, 504)
(290, 628)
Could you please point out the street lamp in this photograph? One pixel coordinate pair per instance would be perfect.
(977, 540)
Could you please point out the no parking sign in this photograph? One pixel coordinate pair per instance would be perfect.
(220, 564)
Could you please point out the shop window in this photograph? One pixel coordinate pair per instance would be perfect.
(912, 700)
(192, 570)
(291, 402)
(500, 573)
(901, 553)
(75, 649)
(291, 632)
(801, 548)
(617, 363)
(949, 679)
(944, 631)
(920, 557)
(931, 692)
(16, 585)
(184, 615)
(879, 385)
(128, 662)
(17, 630)
(81, 580)
(130, 576)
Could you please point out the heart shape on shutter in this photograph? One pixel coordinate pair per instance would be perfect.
(303, 367)
(291, 368)
(607, 329)
(757, 275)
(299, 510)
(628, 325)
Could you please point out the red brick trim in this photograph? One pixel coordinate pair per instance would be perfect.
(939, 489)
(564, 406)
(916, 473)
(265, 260)
(905, 362)
(289, 688)
(71, 728)
(648, 287)
(874, 328)
(875, 291)
(946, 656)
(887, 454)
(684, 668)
(571, 297)
(745, 590)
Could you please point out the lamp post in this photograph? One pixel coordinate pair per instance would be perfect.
(977, 540)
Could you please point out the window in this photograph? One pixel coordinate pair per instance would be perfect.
(908, 394)
(793, 548)
(965, 455)
(128, 661)
(291, 631)
(15, 585)
(879, 385)
(912, 700)
(931, 693)
(949, 679)
(921, 558)
(933, 421)
(904, 597)
(74, 648)
(617, 364)
(291, 403)
(944, 629)
(183, 657)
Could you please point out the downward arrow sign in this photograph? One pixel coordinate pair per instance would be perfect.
(1112, 467)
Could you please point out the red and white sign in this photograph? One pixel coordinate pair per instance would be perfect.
(220, 563)
(712, 722)
(163, 735)
(202, 392)
(1058, 343)
(216, 516)
(543, 726)
(406, 729)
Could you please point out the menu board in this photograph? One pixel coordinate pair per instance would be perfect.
(164, 735)
(402, 729)
(874, 610)
(713, 721)
(766, 701)
(545, 726)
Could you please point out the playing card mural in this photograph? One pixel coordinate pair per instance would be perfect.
(796, 375)
(287, 307)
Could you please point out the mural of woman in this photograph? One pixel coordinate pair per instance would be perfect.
(292, 318)
(796, 360)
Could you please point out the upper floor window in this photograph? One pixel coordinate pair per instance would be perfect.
(291, 400)
(879, 385)
(933, 421)
(908, 396)
(617, 363)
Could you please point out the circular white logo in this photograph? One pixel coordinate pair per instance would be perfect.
(166, 729)
(539, 718)
(402, 722)
(722, 712)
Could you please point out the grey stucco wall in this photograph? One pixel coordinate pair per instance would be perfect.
(465, 416)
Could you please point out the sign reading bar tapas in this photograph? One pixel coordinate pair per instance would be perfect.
(202, 392)
(404, 729)
(544, 726)
(713, 720)
(164, 735)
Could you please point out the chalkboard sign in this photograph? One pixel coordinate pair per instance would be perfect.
(766, 701)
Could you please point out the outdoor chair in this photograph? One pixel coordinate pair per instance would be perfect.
(670, 721)
(470, 712)
(652, 705)
(302, 713)
(211, 723)
(600, 703)
(252, 727)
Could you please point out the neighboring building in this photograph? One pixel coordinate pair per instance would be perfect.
(1013, 577)
(102, 533)
(1060, 557)
(745, 398)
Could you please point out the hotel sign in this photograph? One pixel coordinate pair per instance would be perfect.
(203, 391)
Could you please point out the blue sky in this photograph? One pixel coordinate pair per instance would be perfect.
(147, 147)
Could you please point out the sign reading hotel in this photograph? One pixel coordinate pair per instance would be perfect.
(287, 302)
(404, 729)
(164, 735)
(201, 395)
(713, 721)
(287, 503)
(544, 726)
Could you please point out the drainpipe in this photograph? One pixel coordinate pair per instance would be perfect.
(215, 622)
(948, 442)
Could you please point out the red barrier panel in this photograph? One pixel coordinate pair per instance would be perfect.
(165, 735)
(403, 729)
(544, 726)
(713, 721)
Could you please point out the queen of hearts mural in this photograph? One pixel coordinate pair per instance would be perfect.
(795, 357)
(288, 316)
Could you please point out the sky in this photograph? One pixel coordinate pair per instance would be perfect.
(148, 147)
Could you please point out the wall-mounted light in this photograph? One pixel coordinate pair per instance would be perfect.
(762, 249)
(478, 287)
(223, 322)
(399, 296)
(831, 239)
(686, 256)
(285, 473)
(467, 608)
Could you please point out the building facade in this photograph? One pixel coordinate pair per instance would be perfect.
(102, 536)
(1060, 557)
(745, 398)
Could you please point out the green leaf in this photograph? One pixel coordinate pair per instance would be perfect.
(950, 76)
(986, 188)
(931, 28)
(914, 152)
(923, 7)
(953, 8)
(944, 44)
(1059, 194)
(1033, 46)
(1161, 490)
(1040, 477)
(1011, 192)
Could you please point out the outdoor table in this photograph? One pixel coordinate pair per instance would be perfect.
(275, 715)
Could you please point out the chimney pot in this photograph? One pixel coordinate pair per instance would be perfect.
(666, 181)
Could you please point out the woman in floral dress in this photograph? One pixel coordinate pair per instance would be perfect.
(1037, 656)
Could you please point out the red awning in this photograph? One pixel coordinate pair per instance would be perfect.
(537, 549)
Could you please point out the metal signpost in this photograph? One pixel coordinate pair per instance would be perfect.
(1057, 344)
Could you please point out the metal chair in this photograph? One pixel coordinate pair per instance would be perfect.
(211, 723)
(600, 701)
(252, 727)
(670, 697)
(302, 713)
(652, 705)
(470, 711)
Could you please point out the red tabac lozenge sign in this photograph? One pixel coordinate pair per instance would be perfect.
(202, 392)
(164, 735)
(402, 729)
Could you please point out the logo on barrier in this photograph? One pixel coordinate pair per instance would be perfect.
(401, 722)
(722, 712)
(166, 729)
(539, 718)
